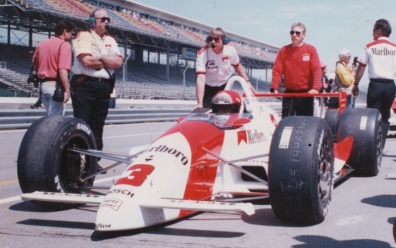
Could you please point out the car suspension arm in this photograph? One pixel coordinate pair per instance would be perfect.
(237, 167)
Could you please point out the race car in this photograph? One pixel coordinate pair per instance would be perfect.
(217, 159)
(392, 119)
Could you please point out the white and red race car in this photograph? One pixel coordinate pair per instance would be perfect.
(392, 119)
(205, 162)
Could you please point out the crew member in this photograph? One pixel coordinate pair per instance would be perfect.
(213, 67)
(380, 57)
(298, 63)
(96, 54)
(52, 61)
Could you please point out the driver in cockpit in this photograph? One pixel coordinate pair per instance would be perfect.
(226, 102)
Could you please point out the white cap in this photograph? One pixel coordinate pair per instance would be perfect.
(344, 53)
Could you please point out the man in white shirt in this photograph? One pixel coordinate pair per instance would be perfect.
(380, 57)
(213, 67)
(96, 54)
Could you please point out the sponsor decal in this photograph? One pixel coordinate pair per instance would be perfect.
(121, 191)
(102, 226)
(273, 120)
(242, 136)
(112, 203)
(383, 51)
(84, 128)
(251, 137)
(255, 137)
(305, 57)
(211, 64)
(171, 151)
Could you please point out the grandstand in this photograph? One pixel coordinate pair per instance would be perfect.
(160, 47)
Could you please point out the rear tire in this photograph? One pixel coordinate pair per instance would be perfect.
(365, 127)
(301, 169)
(332, 117)
(46, 164)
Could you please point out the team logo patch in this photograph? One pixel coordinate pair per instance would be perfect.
(305, 57)
(225, 59)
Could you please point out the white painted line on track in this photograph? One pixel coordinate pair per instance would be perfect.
(18, 198)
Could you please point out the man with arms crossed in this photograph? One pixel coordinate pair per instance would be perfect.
(95, 56)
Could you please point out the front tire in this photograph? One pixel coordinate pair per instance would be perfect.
(45, 162)
(301, 169)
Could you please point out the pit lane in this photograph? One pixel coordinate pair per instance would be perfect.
(361, 213)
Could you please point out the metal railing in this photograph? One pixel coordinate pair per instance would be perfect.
(20, 119)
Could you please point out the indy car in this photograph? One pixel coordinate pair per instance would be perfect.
(392, 119)
(208, 161)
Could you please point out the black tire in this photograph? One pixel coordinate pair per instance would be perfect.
(365, 127)
(46, 164)
(301, 169)
(332, 117)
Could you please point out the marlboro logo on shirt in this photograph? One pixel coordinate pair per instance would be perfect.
(305, 57)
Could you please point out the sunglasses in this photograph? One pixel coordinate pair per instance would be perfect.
(296, 32)
(103, 19)
(216, 39)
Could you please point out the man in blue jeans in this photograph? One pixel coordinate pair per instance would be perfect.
(52, 61)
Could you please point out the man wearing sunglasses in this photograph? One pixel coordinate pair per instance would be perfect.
(299, 65)
(95, 57)
(213, 67)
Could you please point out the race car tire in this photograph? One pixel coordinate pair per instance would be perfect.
(365, 127)
(301, 169)
(332, 117)
(45, 162)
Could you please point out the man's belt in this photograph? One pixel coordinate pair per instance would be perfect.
(82, 78)
(381, 80)
(45, 79)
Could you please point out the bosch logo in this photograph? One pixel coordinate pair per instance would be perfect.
(121, 191)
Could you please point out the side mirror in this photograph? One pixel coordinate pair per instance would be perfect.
(240, 122)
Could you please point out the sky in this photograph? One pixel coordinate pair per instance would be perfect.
(331, 25)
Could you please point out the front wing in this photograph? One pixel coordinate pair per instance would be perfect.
(247, 208)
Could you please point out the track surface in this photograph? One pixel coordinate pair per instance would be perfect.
(361, 213)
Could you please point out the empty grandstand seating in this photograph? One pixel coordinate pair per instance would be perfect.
(143, 80)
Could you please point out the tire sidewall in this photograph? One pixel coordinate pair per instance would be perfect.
(39, 157)
(293, 179)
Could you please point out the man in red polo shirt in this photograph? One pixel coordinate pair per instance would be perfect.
(52, 61)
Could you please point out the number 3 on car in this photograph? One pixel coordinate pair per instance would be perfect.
(136, 175)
